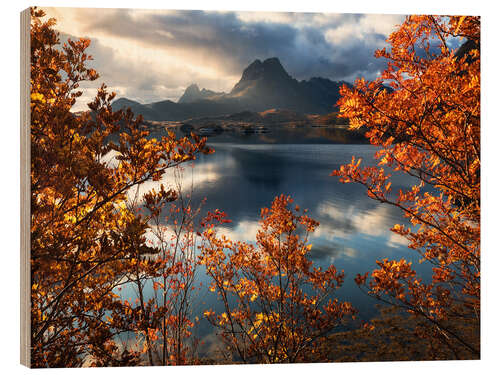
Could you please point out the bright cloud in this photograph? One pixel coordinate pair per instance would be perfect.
(149, 55)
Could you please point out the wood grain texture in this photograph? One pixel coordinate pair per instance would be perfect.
(25, 188)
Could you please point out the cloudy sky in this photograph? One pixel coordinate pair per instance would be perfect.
(148, 55)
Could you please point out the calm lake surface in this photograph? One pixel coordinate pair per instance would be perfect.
(241, 178)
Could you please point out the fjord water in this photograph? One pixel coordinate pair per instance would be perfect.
(353, 233)
(241, 178)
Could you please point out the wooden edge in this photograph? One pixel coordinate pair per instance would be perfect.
(25, 321)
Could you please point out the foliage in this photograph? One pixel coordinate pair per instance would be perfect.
(428, 128)
(84, 238)
(164, 321)
(89, 238)
(277, 307)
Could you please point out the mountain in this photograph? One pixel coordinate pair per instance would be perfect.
(136, 107)
(262, 77)
(194, 94)
(169, 110)
(263, 85)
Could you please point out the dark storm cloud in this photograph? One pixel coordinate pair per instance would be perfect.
(228, 42)
(150, 55)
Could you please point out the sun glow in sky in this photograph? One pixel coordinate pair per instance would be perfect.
(152, 55)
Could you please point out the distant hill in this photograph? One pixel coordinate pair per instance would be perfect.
(269, 117)
(263, 85)
(169, 110)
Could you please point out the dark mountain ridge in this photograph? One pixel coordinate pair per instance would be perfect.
(263, 85)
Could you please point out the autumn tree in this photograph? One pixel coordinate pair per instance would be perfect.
(427, 127)
(164, 318)
(278, 308)
(84, 238)
(177, 237)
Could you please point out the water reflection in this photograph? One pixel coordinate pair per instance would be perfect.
(353, 233)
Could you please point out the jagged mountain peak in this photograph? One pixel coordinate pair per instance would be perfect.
(270, 68)
(273, 62)
(193, 87)
(193, 94)
(263, 78)
(264, 84)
